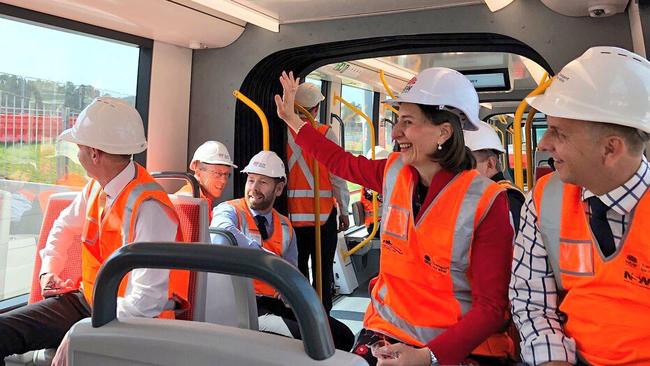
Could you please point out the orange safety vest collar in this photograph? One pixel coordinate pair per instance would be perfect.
(278, 243)
(105, 233)
(606, 300)
(415, 267)
(300, 185)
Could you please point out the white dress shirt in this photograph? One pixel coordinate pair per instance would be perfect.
(147, 289)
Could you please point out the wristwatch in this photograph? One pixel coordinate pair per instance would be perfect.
(434, 359)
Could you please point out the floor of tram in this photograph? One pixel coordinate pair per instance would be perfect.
(349, 309)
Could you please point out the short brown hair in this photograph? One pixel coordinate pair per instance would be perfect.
(454, 155)
(634, 139)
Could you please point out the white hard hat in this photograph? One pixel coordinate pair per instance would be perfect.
(446, 88)
(110, 125)
(380, 153)
(213, 152)
(308, 95)
(266, 163)
(605, 84)
(485, 138)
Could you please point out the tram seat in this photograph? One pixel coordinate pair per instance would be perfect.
(542, 166)
(193, 216)
(358, 213)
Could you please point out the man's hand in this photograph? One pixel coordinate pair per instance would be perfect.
(344, 222)
(52, 285)
(405, 356)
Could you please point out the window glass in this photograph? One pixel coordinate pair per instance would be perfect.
(45, 81)
(357, 133)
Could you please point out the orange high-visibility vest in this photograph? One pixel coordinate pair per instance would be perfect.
(606, 300)
(187, 190)
(103, 235)
(300, 185)
(368, 209)
(277, 243)
(424, 285)
(511, 187)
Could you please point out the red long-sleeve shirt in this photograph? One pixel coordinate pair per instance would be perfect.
(491, 249)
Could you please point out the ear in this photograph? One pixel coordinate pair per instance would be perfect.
(279, 187)
(95, 155)
(194, 166)
(445, 132)
(614, 148)
(492, 162)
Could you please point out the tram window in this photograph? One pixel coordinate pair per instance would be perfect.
(45, 82)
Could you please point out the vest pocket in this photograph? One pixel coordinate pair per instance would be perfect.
(576, 257)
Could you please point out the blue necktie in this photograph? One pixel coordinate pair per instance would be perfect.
(600, 226)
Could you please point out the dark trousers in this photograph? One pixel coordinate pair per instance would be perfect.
(40, 325)
(342, 335)
(305, 236)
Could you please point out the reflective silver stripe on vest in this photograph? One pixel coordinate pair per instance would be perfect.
(308, 217)
(296, 157)
(135, 193)
(286, 233)
(390, 178)
(307, 193)
(550, 217)
(462, 242)
(422, 334)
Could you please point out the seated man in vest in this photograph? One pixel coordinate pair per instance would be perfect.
(212, 167)
(581, 273)
(300, 199)
(256, 224)
(488, 150)
(108, 132)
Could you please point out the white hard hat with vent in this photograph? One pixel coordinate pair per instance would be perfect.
(308, 95)
(110, 125)
(446, 88)
(485, 138)
(266, 163)
(213, 152)
(380, 153)
(605, 84)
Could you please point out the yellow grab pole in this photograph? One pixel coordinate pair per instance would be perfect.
(389, 92)
(503, 143)
(318, 257)
(516, 126)
(529, 147)
(266, 143)
(375, 205)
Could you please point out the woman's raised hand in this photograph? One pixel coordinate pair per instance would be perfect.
(285, 102)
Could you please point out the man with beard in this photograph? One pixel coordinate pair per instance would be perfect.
(255, 224)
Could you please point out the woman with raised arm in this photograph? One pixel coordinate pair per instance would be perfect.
(446, 239)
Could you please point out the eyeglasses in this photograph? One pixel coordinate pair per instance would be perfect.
(216, 174)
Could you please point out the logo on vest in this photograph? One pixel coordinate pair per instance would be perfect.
(637, 280)
(631, 261)
(386, 243)
(435, 266)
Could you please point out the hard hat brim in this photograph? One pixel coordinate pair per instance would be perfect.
(473, 124)
(69, 136)
(247, 170)
(215, 162)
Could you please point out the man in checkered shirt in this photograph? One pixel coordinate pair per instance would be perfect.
(580, 287)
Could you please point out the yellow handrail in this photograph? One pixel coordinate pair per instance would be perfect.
(528, 128)
(318, 256)
(503, 143)
(375, 204)
(516, 126)
(266, 143)
(389, 92)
